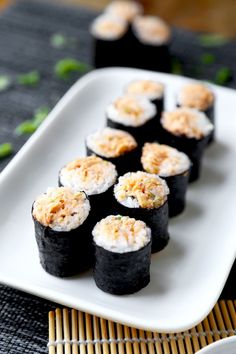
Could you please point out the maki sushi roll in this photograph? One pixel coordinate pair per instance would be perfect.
(95, 177)
(122, 254)
(61, 220)
(199, 96)
(109, 40)
(134, 115)
(171, 165)
(143, 196)
(151, 37)
(150, 89)
(116, 146)
(125, 9)
(188, 130)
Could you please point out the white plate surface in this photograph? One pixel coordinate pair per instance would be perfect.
(188, 276)
(223, 346)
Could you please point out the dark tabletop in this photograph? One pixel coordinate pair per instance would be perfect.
(25, 32)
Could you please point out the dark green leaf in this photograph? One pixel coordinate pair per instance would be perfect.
(207, 58)
(5, 150)
(223, 76)
(4, 82)
(212, 40)
(26, 127)
(29, 79)
(64, 68)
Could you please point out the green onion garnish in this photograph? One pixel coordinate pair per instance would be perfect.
(64, 68)
(212, 40)
(6, 150)
(29, 79)
(207, 58)
(176, 66)
(223, 76)
(4, 82)
(26, 127)
(58, 40)
(40, 115)
(30, 126)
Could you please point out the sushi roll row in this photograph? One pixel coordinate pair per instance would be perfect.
(124, 36)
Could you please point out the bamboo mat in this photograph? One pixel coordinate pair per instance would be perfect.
(76, 332)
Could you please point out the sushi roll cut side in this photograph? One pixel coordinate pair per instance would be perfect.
(134, 115)
(188, 130)
(109, 40)
(199, 96)
(171, 165)
(61, 220)
(150, 89)
(144, 196)
(125, 9)
(122, 254)
(151, 43)
(116, 146)
(95, 177)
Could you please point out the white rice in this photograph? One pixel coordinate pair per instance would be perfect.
(149, 89)
(196, 126)
(121, 234)
(174, 163)
(108, 27)
(151, 30)
(75, 210)
(195, 95)
(100, 176)
(160, 191)
(125, 9)
(128, 119)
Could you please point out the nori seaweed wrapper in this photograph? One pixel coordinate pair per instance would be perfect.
(192, 147)
(178, 185)
(65, 253)
(157, 219)
(122, 273)
(159, 103)
(142, 134)
(129, 161)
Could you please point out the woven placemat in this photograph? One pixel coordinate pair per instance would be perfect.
(25, 31)
(73, 332)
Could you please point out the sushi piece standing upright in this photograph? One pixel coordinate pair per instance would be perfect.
(199, 96)
(95, 177)
(109, 41)
(150, 89)
(61, 220)
(134, 115)
(116, 146)
(143, 196)
(171, 165)
(187, 130)
(122, 254)
(151, 38)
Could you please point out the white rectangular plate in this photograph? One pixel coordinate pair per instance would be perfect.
(188, 276)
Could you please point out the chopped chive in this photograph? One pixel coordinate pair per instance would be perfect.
(26, 127)
(207, 58)
(65, 67)
(212, 40)
(40, 115)
(223, 76)
(176, 66)
(4, 82)
(58, 40)
(29, 79)
(6, 150)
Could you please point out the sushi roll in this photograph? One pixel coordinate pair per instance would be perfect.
(134, 115)
(61, 220)
(125, 9)
(151, 38)
(109, 40)
(150, 89)
(199, 96)
(144, 196)
(116, 146)
(95, 177)
(188, 130)
(122, 254)
(171, 165)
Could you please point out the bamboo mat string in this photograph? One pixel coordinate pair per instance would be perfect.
(75, 332)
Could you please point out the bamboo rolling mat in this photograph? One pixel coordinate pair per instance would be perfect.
(76, 332)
